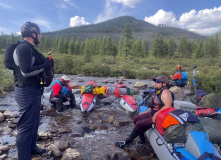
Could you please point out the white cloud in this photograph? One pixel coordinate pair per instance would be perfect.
(110, 11)
(77, 21)
(69, 2)
(6, 6)
(205, 22)
(42, 22)
(128, 3)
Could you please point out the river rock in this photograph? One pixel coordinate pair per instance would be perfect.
(71, 154)
(9, 114)
(4, 148)
(140, 85)
(43, 135)
(135, 91)
(110, 119)
(121, 123)
(64, 130)
(181, 93)
(2, 117)
(75, 86)
(3, 156)
(211, 100)
(5, 131)
(55, 151)
(62, 145)
(15, 120)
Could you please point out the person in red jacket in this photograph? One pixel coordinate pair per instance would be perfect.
(180, 77)
(62, 92)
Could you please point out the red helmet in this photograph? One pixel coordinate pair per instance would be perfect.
(65, 78)
(178, 67)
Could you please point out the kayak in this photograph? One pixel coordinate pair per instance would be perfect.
(87, 102)
(128, 103)
(196, 146)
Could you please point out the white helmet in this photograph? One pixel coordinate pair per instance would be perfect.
(65, 78)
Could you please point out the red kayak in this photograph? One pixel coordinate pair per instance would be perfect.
(87, 102)
(128, 103)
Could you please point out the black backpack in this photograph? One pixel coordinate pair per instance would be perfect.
(8, 55)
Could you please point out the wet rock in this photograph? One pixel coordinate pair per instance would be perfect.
(95, 117)
(64, 130)
(54, 129)
(75, 86)
(4, 156)
(105, 81)
(55, 151)
(2, 117)
(71, 154)
(15, 133)
(42, 135)
(15, 120)
(5, 131)
(11, 125)
(2, 110)
(61, 145)
(121, 123)
(135, 91)
(110, 119)
(9, 114)
(4, 148)
(80, 80)
(121, 78)
(140, 85)
(76, 134)
(80, 75)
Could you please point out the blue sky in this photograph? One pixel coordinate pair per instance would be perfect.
(201, 16)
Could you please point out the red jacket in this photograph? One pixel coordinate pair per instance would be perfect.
(57, 89)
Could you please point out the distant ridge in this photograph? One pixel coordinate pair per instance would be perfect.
(113, 28)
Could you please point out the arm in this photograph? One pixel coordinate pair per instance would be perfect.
(167, 99)
(25, 60)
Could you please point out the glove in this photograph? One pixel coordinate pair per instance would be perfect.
(48, 63)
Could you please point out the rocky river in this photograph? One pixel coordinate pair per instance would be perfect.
(75, 135)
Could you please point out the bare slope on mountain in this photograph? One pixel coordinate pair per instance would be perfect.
(114, 27)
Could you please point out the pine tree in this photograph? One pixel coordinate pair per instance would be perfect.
(145, 48)
(128, 39)
(71, 46)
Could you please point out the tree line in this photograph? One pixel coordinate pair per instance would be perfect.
(127, 46)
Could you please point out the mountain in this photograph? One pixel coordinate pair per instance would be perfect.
(113, 28)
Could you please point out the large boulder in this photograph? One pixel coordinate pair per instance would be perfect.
(211, 100)
(182, 93)
(75, 86)
(140, 85)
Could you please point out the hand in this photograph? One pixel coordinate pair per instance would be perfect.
(48, 63)
(154, 118)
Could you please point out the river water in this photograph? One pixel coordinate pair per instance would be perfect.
(92, 134)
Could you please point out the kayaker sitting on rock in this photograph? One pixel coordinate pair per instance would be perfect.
(62, 92)
(180, 77)
(163, 99)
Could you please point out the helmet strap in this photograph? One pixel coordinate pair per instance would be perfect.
(35, 39)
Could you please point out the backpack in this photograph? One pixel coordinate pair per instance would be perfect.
(8, 55)
(64, 90)
(183, 79)
(88, 89)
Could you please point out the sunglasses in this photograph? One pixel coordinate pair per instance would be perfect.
(157, 81)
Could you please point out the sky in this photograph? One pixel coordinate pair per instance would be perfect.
(200, 16)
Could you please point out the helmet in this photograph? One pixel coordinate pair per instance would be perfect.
(28, 28)
(178, 67)
(162, 79)
(65, 78)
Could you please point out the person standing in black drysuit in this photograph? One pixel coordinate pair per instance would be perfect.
(28, 68)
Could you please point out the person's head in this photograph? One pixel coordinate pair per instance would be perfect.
(31, 33)
(65, 80)
(161, 82)
(178, 67)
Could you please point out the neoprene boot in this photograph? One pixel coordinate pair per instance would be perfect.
(39, 151)
(142, 139)
(133, 135)
(59, 105)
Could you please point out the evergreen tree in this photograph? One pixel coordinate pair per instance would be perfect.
(121, 46)
(65, 47)
(182, 49)
(198, 50)
(46, 43)
(71, 46)
(60, 46)
(145, 48)
(171, 47)
(86, 52)
(77, 46)
(82, 47)
(136, 48)
(128, 39)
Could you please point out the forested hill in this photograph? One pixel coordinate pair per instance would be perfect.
(113, 28)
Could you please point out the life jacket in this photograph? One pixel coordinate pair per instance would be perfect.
(64, 89)
(157, 102)
(182, 81)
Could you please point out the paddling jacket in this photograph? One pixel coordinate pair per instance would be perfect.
(28, 65)
(157, 102)
(59, 89)
(180, 77)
